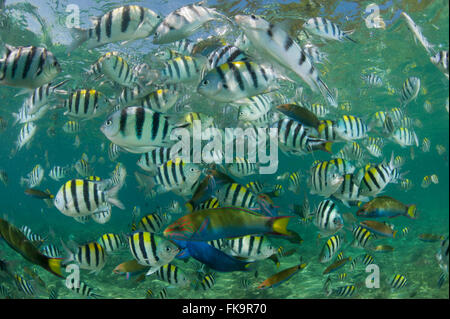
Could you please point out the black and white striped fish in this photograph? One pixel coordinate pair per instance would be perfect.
(251, 247)
(111, 242)
(58, 172)
(91, 256)
(33, 237)
(161, 100)
(314, 54)
(440, 59)
(324, 179)
(152, 223)
(117, 69)
(331, 247)
(102, 215)
(124, 23)
(151, 250)
(133, 96)
(233, 81)
(234, 194)
(24, 286)
(227, 53)
(113, 152)
(51, 251)
(82, 289)
(41, 96)
(405, 137)
(176, 174)
(86, 104)
(327, 29)
(398, 281)
(34, 178)
(182, 69)
(26, 134)
(410, 89)
(294, 139)
(71, 127)
(277, 45)
(184, 22)
(326, 130)
(375, 178)
(361, 236)
(349, 191)
(350, 127)
(372, 80)
(28, 67)
(327, 217)
(79, 197)
(138, 130)
(150, 161)
(242, 167)
(253, 108)
(173, 275)
(207, 282)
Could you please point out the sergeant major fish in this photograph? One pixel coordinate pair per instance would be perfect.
(125, 23)
(28, 67)
(277, 45)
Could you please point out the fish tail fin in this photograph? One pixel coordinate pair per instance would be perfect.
(412, 211)
(327, 286)
(279, 225)
(347, 35)
(54, 265)
(112, 196)
(442, 278)
(79, 36)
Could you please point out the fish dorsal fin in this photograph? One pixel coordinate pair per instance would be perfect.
(9, 49)
(95, 20)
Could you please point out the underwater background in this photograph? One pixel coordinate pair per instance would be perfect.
(391, 51)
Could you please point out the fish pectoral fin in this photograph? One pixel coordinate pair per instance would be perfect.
(152, 270)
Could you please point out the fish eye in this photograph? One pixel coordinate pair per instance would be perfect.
(205, 82)
(225, 86)
(158, 17)
(253, 17)
(108, 122)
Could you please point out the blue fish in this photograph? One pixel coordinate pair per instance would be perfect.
(210, 256)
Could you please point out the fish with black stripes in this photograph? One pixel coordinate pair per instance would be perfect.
(126, 23)
(173, 275)
(151, 250)
(324, 179)
(79, 197)
(275, 44)
(111, 242)
(294, 138)
(86, 104)
(28, 67)
(251, 247)
(91, 256)
(184, 22)
(233, 81)
(327, 218)
(326, 29)
(410, 90)
(224, 54)
(139, 130)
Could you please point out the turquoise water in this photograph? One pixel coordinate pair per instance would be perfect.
(390, 52)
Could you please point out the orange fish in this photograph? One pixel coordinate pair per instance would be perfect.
(281, 277)
(131, 266)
